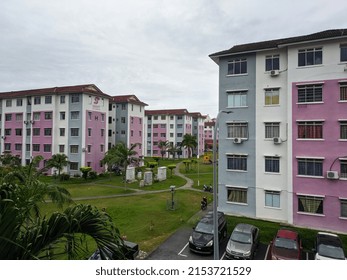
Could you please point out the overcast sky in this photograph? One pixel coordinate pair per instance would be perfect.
(157, 50)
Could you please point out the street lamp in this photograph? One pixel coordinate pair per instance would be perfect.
(215, 186)
(172, 189)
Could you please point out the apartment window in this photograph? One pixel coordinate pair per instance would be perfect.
(75, 98)
(18, 147)
(307, 57)
(122, 120)
(155, 134)
(89, 148)
(62, 149)
(18, 132)
(310, 130)
(272, 199)
(237, 66)
(62, 131)
(272, 164)
(171, 126)
(9, 103)
(343, 168)
(89, 132)
(7, 131)
(179, 135)
(90, 116)
(343, 129)
(102, 132)
(272, 62)
(36, 131)
(37, 100)
(122, 132)
(237, 195)
(48, 131)
(47, 148)
(74, 166)
(310, 167)
(102, 148)
(123, 107)
(310, 204)
(343, 92)
(19, 117)
(237, 130)
(163, 135)
(237, 99)
(75, 115)
(36, 116)
(62, 115)
(36, 147)
(74, 131)
(310, 93)
(48, 115)
(8, 117)
(19, 102)
(163, 117)
(27, 147)
(163, 125)
(272, 96)
(62, 99)
(272, 130)
(343, 53)
(237, 162)
(102, 117)
(7, 147)
(343, 206)
(48, 99)
(180, 126)
(28, 131)
(74, 149)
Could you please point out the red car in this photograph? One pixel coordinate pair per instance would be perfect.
(286, 245)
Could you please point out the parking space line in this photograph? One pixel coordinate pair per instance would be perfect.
(267, 252)
(222, 258)
(180, 253)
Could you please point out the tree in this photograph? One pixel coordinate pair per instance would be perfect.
(163, 145)
(43, 237)
(121, 155)
(173, 150)
(190, 143)
(58, 161)
(85, 171)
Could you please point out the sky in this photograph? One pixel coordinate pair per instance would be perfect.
(157, 50)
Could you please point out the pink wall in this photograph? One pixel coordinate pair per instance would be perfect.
(329, 148)
(136, 129)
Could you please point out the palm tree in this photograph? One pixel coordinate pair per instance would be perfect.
(173, 149)
(43, 237)
(121, 155)
(190, 143)
(163, 145)
(58, 161)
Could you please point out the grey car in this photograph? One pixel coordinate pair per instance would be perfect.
(243, 242)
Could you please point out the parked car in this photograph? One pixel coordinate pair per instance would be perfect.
(201, 239)
(130, 251)
(328, 246)
(243, 242)
(286, 245)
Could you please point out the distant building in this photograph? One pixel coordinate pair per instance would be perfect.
(70, 120)
(282, 152)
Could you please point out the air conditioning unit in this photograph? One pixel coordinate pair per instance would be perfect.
(274, 73)
(277, 140)
(237, 140)
(332, 175)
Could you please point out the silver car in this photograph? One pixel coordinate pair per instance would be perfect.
(243, 242)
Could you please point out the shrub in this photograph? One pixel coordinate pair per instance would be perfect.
(93, 174)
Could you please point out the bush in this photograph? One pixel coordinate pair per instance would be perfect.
(64, 177)
(93, 174)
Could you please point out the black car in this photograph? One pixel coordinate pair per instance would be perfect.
(201, 239)
(130, 251)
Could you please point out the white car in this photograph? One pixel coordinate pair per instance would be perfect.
(328, 247)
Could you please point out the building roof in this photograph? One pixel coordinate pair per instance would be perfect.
(167, 112)
(277, 43)
(88, 88)
(131, 98)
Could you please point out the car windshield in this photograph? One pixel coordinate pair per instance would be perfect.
(286, 243)
(241, 237)
(331, 251)
(204, 228)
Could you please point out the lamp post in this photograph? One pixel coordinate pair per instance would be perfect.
(215, 186)
(172, 189)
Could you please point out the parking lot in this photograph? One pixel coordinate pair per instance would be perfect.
(176, 247)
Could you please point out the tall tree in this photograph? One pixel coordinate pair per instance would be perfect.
(163, 145)
(190, 143)
(58, 161)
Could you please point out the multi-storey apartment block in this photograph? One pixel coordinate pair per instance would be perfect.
(172, 125)
(283, 150)
(127, 121)
(70, 120)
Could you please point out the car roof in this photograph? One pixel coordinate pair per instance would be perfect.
(244, 228)
(328, 239)
(208, 218)
(287, 233)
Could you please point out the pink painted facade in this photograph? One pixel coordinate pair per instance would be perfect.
(136, 133)
(328, 149)
(13, 132)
